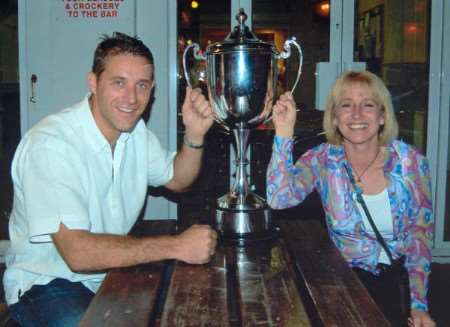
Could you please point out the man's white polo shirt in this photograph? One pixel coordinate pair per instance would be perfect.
(64, 171)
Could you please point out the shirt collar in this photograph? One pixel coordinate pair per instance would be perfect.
(391, 160)
(337, 155)
(392, 165)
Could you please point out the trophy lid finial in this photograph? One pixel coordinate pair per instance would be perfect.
(241, 33)
(240, 36)
(241, 17)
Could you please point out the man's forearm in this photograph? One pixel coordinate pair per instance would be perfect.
(85, 251)
(187, 164)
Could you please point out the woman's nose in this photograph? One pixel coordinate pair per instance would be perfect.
(356, 110)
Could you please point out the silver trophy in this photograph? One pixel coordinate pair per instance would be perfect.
(241, 75)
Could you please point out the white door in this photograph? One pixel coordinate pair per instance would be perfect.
(57, 40)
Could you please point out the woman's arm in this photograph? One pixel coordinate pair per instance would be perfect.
(419, 231)
(287, 184)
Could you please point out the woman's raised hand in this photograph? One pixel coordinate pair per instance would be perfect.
(284, 115)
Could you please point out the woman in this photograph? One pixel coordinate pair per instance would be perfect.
(363, 155)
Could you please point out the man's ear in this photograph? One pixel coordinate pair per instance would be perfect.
(153, 85)
(92, 82)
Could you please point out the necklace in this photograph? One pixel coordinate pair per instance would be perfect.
(359, 176)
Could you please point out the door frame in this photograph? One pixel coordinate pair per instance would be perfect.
(341, 58)
(438, 101)
(438, 120)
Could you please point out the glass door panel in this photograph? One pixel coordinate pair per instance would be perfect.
(392, 37)
(309, 23)
(202, 22)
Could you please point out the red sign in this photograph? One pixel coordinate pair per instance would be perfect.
(92, 8)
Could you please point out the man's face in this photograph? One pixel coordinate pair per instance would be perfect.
(120, 94)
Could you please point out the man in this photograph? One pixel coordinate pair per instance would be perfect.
(80, 180)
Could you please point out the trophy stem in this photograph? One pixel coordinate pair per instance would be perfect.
(242, 215)
(241, 187)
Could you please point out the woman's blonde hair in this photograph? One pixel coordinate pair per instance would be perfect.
(374, 84)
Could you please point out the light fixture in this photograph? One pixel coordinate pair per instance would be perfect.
(411, 28)
(194, 4)
(322, 8)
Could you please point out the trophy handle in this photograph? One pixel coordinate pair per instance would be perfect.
(197, 56)
(287, 53)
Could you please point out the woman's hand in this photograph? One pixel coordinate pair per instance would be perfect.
(420, 318)
(284, 115)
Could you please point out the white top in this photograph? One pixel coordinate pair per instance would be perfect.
(380, 210)
(64, 171)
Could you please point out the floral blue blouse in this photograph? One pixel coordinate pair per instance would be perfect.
(409, 189)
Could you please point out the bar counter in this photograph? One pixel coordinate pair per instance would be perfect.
(296, 279)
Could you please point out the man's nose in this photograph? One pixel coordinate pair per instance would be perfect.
(131, 95)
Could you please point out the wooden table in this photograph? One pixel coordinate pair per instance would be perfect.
(297, 279)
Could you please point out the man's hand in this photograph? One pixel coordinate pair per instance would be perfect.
(284, 115)
(196, 245)
(420, 318)
(197, 115)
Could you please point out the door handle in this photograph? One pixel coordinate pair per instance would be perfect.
(33, 80)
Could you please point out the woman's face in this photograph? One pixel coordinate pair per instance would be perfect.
(358, 116)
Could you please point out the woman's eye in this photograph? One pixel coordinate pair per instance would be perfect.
(345, 105)
(369, 105)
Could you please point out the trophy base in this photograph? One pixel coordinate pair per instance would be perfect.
(242, 226)
(248, 239)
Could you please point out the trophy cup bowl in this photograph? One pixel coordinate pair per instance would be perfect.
(239, 84)
(241, 79)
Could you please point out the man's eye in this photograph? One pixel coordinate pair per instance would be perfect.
(119, 83)
(143, 86)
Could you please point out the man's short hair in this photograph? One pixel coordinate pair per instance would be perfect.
(118, 43)
(377, 88)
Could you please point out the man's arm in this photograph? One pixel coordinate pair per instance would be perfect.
(187, 164)
(197, 119)
(84, 251)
